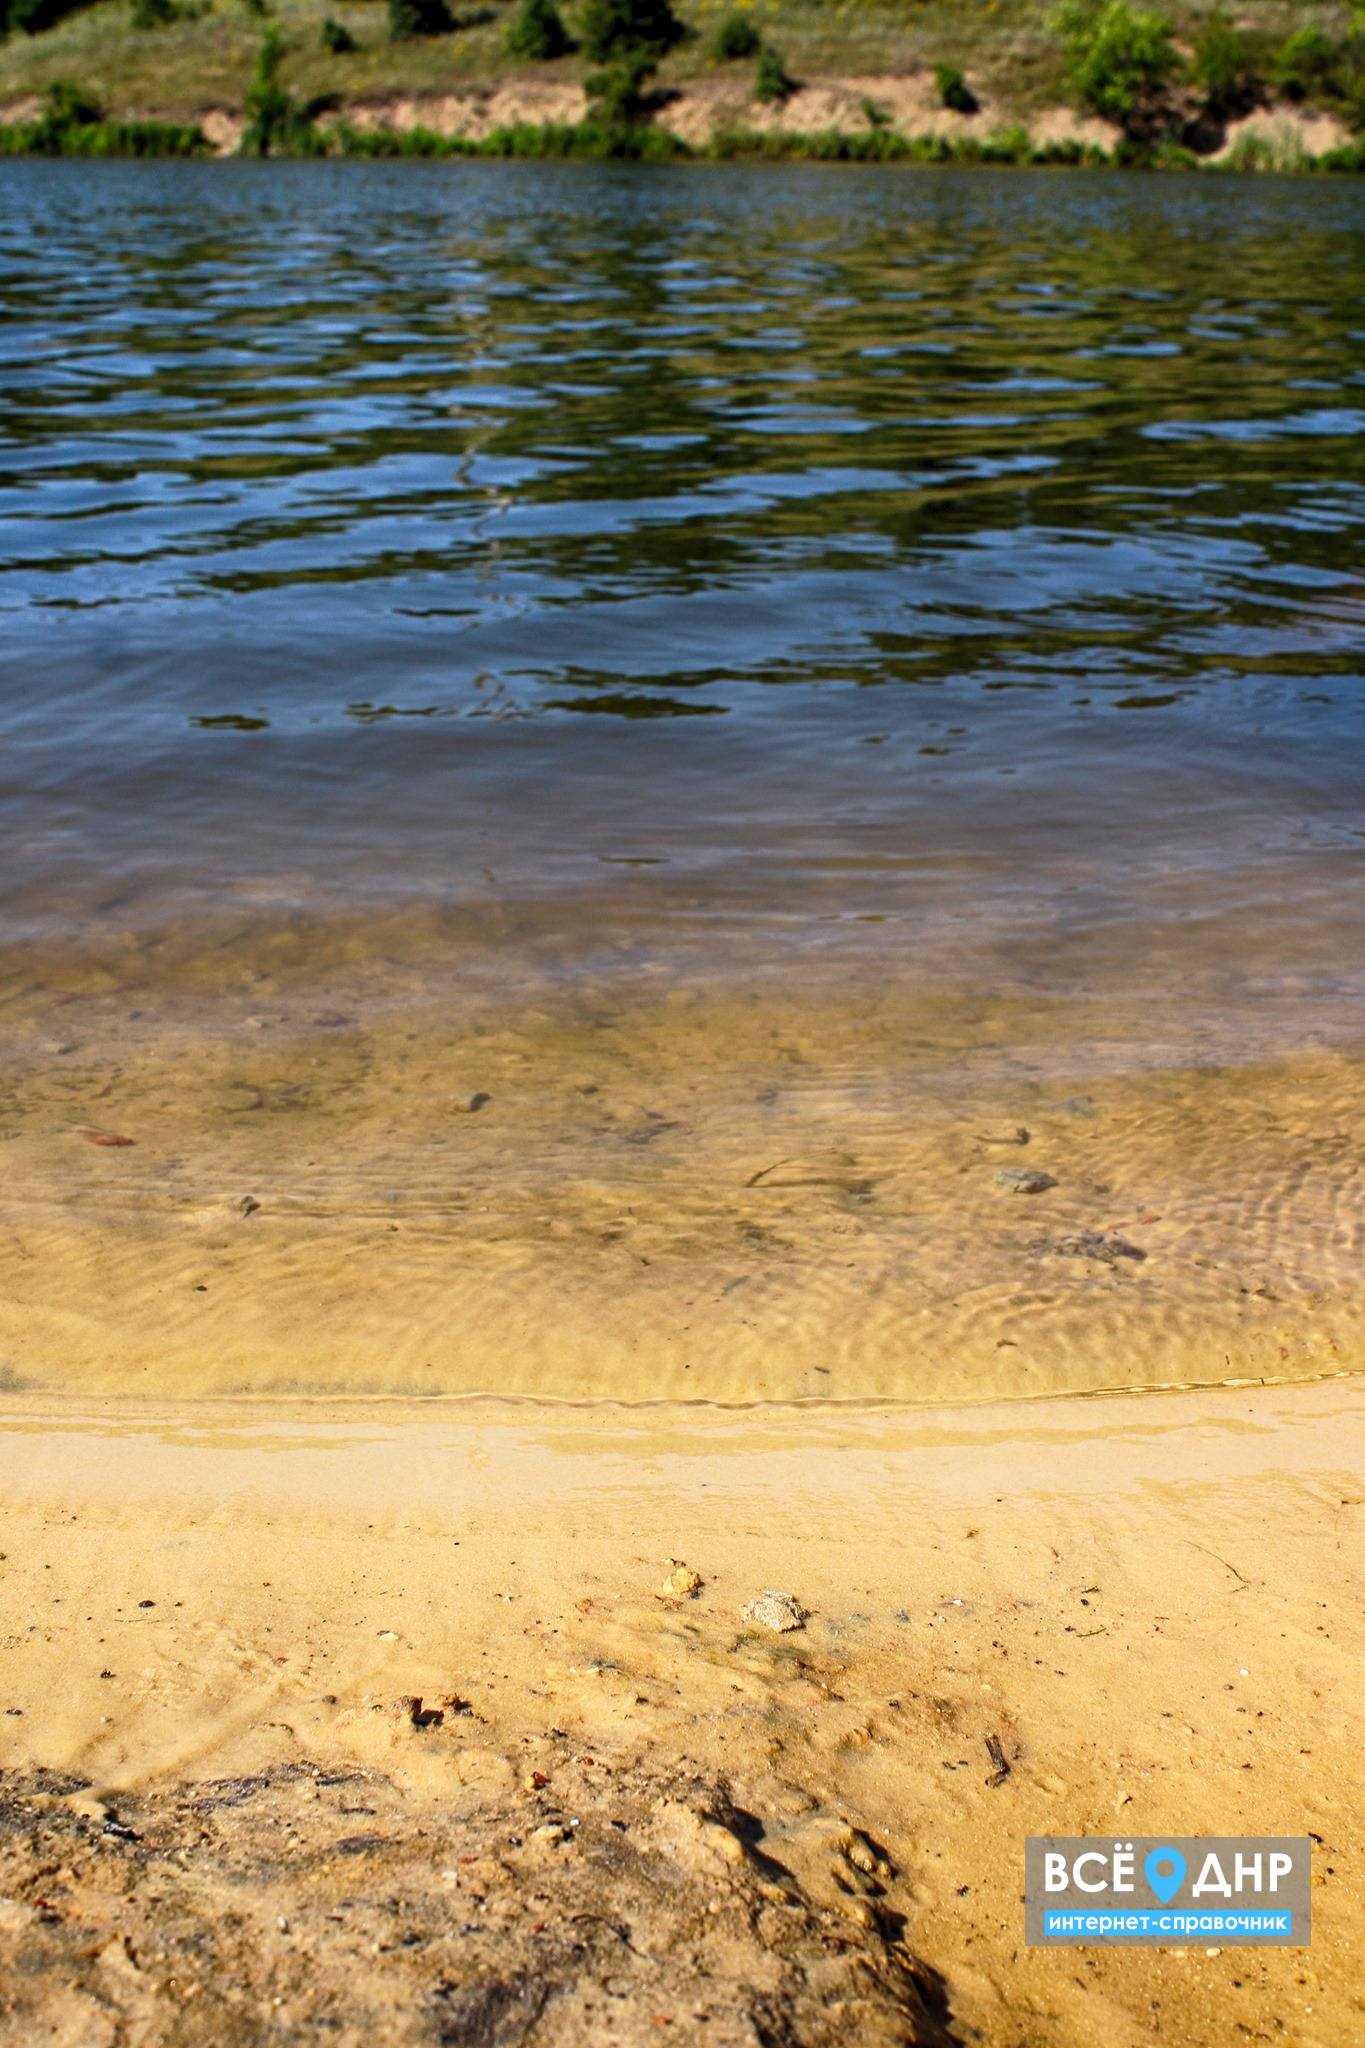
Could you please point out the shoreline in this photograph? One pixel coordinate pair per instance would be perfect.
(1017, 83)
(216, 1618)
(27, 1401)
(1263, 152)
(415, 1161)
(835, 116)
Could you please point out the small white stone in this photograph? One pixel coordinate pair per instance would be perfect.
(777, 1611)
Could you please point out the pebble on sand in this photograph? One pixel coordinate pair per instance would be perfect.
(777, 1611)
(1024, 1180)
(682, 1583)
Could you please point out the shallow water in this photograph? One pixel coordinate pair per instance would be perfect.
(778, 679)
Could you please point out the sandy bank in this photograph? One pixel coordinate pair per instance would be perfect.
(697, 110)
(1151, 1603)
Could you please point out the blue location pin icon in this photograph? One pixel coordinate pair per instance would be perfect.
(1164, 1870)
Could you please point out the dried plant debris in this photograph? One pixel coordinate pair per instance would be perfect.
(1000, 1763)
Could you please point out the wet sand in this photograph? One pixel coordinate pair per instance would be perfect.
(217, 1616)
(584, 1159)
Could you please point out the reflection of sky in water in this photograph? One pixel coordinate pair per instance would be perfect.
(373, 531)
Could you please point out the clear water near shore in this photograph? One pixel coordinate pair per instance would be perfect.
(780, 680)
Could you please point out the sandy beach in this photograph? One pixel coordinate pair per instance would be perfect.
(303, 1701)
(681, 1074)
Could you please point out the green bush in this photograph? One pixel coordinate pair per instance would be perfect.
(149, 14)
(31, 17)
(627, 38)
(1169, 155)
(953, 90)
(1310, 66)
(617, 28)
(268, 107)
(537, 32)
(1283, 152)
(1007, 146)
(770, 76)
(336, 38)
(736, 37)
(1118, 55)
(1306, 65)
(1224, 68)
(276, 125)
(72, 123)
(1349, 157)
(68, 105)
(409, 19)
(618, 93)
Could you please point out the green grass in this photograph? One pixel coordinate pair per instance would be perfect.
(519, 139)
(71, 123)
(886, 146)
(102, 138)
(206, 56)
(183, 70)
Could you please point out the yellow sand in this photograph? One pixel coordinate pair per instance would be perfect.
(1152, 1601)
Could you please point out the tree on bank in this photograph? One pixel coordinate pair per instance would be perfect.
(537, 32)
(615, 29)
(627, 38)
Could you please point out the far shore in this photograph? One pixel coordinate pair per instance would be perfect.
(880, 118)
(699, 114)
(1011, 82)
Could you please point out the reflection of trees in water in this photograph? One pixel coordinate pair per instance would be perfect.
(963, 424)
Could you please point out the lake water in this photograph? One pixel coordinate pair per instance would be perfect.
(778, 679)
